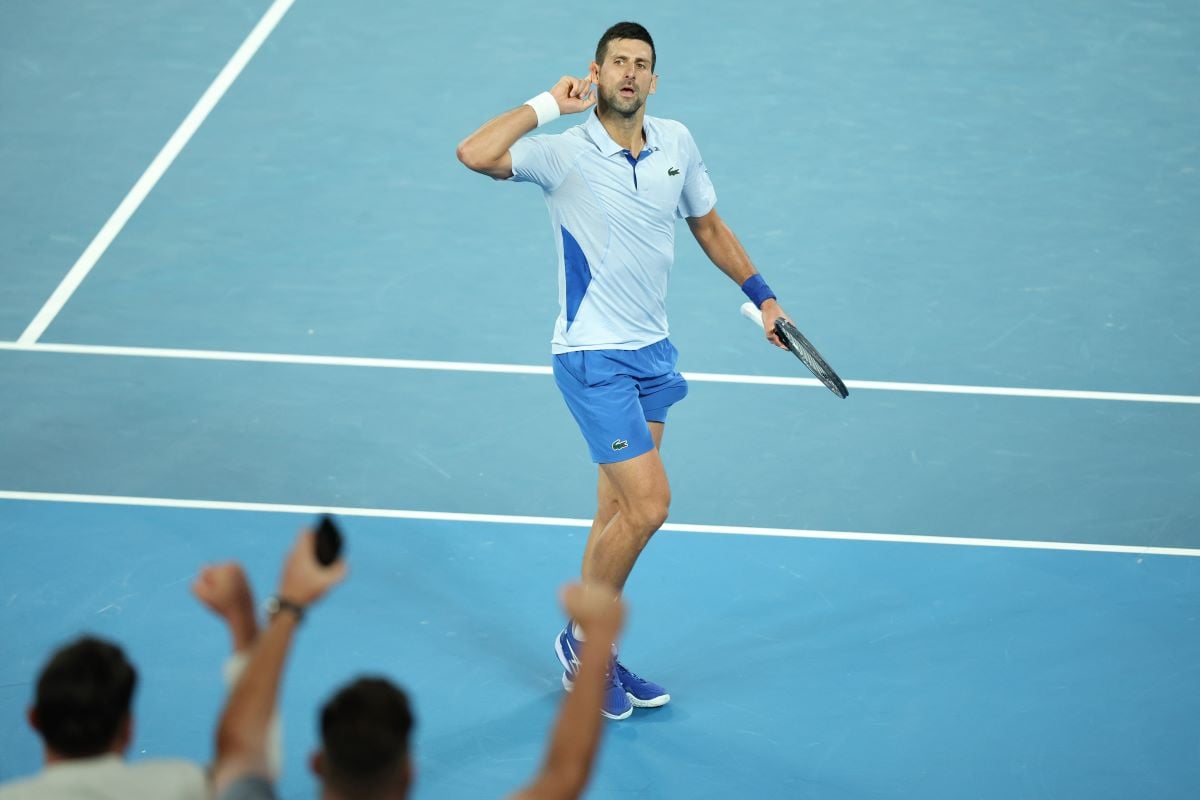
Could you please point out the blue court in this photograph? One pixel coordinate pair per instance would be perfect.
(245, 279)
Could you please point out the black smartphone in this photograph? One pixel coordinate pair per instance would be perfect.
(328, 540)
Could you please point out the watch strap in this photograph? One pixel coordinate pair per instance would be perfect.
(277, 605)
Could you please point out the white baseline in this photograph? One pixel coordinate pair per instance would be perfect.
(508, 519)
(526, 369)
(183, 134)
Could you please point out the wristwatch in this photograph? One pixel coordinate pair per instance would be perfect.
(276, 604)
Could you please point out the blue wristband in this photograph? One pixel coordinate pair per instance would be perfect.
(757, 290)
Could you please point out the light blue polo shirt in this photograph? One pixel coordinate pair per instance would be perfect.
(614, 226)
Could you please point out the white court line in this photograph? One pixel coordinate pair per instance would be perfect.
(275, 358)
(154, 172)
(525, 369)
(507, 519)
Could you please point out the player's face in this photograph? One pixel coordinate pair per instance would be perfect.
(625, 79)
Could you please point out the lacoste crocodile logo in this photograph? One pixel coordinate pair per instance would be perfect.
(620, 444)
(673, 171)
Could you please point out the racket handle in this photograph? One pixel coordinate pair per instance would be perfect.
(751, 312)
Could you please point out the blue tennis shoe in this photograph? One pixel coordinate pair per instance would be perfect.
(626, 689)
(641, 692)
(617, 702)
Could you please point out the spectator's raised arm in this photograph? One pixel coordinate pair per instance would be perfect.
(242, 734)
(225, 590)
(576, 737)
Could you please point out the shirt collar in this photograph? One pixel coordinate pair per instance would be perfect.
(69, 765)
(605, 144)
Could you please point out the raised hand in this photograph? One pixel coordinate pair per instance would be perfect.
(304, 579)
(596, 608)
(574, 94)
(224, 590)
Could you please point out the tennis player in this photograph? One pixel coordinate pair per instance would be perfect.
(614, 185)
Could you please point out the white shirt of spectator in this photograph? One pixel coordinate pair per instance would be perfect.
(109, 777)
(614, 226)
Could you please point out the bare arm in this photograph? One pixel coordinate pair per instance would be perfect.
(576, 737)
(242, 733)
(242, 741)
(723, 249)
(486, 150)
(226, 591)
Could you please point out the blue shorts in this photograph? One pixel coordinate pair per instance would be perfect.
(613, 394)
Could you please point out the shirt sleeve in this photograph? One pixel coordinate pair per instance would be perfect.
(698, 196)
(540, 159)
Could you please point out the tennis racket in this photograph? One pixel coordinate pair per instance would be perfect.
(802, 348)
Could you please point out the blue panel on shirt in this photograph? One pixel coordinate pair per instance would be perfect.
(634, 162)
(578, 274)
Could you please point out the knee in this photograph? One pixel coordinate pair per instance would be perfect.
(651, 513)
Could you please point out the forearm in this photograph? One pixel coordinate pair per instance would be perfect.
(243, 629)
(242, 732)
(487, 148)
(232, 672)
(725, 250)
(576, 735)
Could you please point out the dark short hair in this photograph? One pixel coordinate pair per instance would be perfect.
(365, 730)
(625, 30)
(83, 695)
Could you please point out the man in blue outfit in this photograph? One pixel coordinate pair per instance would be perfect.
(614, 186)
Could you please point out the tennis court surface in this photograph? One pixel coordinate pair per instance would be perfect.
(246, 280)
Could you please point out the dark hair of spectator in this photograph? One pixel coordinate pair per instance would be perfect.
(625, 30)
(365, 730)
(83, 695)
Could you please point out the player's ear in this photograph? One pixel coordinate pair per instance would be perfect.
(653, 83)
(594, 72)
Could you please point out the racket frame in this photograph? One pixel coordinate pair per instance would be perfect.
(802, 349)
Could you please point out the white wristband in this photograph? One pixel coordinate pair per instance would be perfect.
(545, 106)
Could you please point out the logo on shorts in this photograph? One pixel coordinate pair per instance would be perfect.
(673, 171)
(620, 444)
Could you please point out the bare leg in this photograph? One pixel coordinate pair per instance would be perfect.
(632, 501)
(606, 500)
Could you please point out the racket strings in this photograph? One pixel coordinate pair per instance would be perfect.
(803, 350)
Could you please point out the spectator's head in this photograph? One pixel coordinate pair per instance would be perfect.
(84, 693)
(364, 742)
